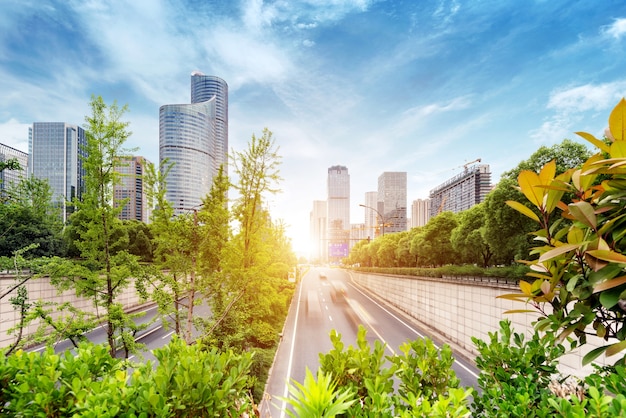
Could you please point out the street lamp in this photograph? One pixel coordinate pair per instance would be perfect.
(382, 219)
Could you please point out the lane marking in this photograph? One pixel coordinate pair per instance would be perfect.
(167, 335)
(467, 369)
(293, 345)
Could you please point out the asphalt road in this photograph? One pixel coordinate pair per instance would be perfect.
(314, 313)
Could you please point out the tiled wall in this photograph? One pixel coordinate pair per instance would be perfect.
(41, 289)
(459, 309)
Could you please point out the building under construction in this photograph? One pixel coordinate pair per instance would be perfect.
(462, 191)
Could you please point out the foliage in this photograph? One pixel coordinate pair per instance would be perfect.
(468, 238)
(578, 283)
(432, 245)
(187, 382)
(318, 398)
(106, 267)
(29, 217)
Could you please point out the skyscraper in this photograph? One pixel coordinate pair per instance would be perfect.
(8, 177)
(131, 187)
(372, 220)
(56, 152)
(338, 219)
(194, 137)
(420, 212)
(319, 241)
(392, 200)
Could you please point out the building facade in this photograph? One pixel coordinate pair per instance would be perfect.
(318, 231)
(338, 217)
(56, 153)
(193, 138)
(131, 190)
(392, 201)
(420, 212)
(372, 220)
(462, 191)
(9, 177)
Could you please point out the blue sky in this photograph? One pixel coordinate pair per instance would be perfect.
(416, 86)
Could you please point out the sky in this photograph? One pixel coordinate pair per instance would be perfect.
(423, 87)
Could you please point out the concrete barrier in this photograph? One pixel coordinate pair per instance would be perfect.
(460, 308)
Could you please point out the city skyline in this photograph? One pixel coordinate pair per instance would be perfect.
(420, 87)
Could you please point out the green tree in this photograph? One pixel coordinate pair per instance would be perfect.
(29, 217)
(106, 268)
(432, 245)
(508, 232)
(468, 237)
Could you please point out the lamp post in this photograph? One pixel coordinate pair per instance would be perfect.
(382, 219)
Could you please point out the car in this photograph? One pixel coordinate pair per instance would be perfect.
(322, 275)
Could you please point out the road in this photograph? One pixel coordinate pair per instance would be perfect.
(154, 336)
(314, 313)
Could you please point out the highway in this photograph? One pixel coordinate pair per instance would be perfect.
(314, 313)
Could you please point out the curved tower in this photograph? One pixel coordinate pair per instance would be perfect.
(206, 87)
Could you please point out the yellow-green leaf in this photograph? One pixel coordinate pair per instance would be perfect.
(615, 348)
(528, 182)
(608, 255)
(524, 210)
(575, 235)
(512, 311)
(617, 121)
(557, 251)
(547, 173)
(518, 297)
(609, 284)
(583, 212)
(526, 287)
(618, 150)
(595, 141)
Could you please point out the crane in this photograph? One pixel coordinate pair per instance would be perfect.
(477, 160)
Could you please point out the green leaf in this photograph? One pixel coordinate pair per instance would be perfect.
(583, 212)
(594, 354)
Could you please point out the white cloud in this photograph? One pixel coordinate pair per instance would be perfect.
(14, 134)
(617, 29)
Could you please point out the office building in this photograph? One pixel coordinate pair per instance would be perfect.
(420, 212)
(130, 189)
(56, 153)
(338, 218)
(392, 201)
(372, 219)
(462, 191)
(194, 139)
(12, 177)
(318, 231)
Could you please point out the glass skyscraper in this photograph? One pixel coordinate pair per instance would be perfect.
(338, 218)
(194, 137)
(392, 200)
(56, 153)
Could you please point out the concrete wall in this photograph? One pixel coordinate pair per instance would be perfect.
(461, 308)
(41, 289)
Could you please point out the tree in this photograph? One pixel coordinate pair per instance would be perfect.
(432, 245)
(508, 232)
(29, 217)
(468, 237)
(106, 267)
(579, 269)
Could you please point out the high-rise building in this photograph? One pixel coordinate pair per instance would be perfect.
(8, 177)
(462, 191)
(131, 187)
(392, 201)
(372, 219)
(56, 153)
(205, 88)
(338, 207)
(194, 139)
(319, 239)
(420, 212)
